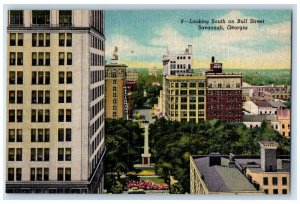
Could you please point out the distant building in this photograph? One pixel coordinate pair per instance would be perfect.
(259, 107)
(153, 71)
(252, 121)
(223, 94)
(215, 174)
(185, 98)
(268, 173)
(178, 64)
(247, 91)
(130, 86)
(132, 75)
(272, 92)
(284, 117)
(116, 105)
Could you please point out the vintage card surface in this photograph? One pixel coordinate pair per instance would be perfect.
(148, 101)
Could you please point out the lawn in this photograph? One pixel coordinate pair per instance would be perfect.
(152, 179)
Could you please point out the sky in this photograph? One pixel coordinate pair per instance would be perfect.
(144, 36)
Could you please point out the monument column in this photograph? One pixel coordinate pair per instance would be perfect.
(146, 156)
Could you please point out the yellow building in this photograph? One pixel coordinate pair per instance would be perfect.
(185, 98)
(215, 174)
(115, 91)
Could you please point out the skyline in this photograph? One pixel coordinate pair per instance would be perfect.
(144, 41)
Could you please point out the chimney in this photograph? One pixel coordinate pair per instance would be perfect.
(212, 59)
(268, 155)
(214, 159)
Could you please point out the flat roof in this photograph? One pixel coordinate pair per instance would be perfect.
(222, 178)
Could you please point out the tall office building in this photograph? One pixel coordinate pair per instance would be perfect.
(116, 105)
(224, 99)
(55, 101)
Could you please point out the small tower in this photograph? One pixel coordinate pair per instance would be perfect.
(268, 155)
(115, 58)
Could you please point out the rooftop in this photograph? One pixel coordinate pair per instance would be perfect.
(262, 104)
(276, 104)
(222, 178)
(259, 118)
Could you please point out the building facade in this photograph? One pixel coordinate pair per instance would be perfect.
(185, 98)
(224, 99)
(116, 103)
(55, 101)
(284, 117)
(281, 92)
(132, 75)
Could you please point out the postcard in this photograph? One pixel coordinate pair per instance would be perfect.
(148, 101)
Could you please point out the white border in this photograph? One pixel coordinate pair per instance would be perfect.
(188, 4)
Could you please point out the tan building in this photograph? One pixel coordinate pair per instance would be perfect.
(269, 172)
(215, 174)
(116, 92)
(132, 75)
(55, 101)
(185, 98)
(153, 71)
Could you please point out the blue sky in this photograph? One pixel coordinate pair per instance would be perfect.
(143, 36)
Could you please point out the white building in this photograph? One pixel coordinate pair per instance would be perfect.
(247, 91)
(259, 108)
(252, 121)
(178, 64)
(55, 101)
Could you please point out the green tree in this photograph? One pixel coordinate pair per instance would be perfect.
(176, 189)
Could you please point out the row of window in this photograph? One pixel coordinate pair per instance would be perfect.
(16, 39)
(275, 191)
(39, 174)
(223, 85)
(40, 58)
(97, 76)
(40, 115)
(97, 43)
(97, 92)
(95, 109)
(97, 60)
(39, 154)
(40, 17)
(40, 135)
(274, 181)
(95, 126)
(223, 92)
(187, 84)
(40, 40)
(193, 106)
(224, 107)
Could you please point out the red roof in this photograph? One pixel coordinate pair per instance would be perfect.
(262, 104)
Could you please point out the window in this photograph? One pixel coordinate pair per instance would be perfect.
(40, 97)
(41, 17)
(19, 154)
(60, 156)
(69, 77)
(61, 60)
(40, 115)
(12, 58)
(68, 134)
(47, 61)
(12, 137)
(18, 174)
(284, 181)
(60, 174)
(61, 79)
(68, 154)
(274, 181)
(40, 135)
(16, 17)
(46, 174)
(19, 77)
(69, 58)
(266, 191)
(68, 174)
(15, 116)
(284, 191)
(65, 17)
(16, 97)
(275, 191)
(11, 174)
(12, 38)
(266, 181)
(69, 39)
(11, 154)
(61, 115)
(39, 174)
(20, 58)
(61, 97)
(60, 134)
(69, 97)
(68, 115)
